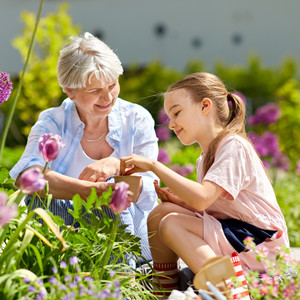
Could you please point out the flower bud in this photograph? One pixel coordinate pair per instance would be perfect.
(32, 180)
(49, 146)
(120, 199)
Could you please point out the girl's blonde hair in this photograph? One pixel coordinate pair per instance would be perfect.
(230, 109)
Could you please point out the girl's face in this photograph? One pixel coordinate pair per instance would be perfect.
(185, 116)
(96, 99)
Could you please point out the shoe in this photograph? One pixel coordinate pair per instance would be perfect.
(216, 270)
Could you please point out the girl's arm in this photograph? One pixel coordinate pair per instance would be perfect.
(198, 195)
(65, 187)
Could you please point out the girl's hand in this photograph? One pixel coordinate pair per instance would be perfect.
(167, 195)
(134, 163)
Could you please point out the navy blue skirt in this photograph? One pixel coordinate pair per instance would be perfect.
(236, 232)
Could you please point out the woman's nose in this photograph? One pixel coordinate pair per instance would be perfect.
(106, 97)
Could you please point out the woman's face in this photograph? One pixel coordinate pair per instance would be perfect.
(96, 99)
(185, 115)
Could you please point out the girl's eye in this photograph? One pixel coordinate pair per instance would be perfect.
(177, 113)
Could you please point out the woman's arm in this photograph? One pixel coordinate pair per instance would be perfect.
(65, 187)
(198, 195)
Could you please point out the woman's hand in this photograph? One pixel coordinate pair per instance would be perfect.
(101, 170)
(134, 163)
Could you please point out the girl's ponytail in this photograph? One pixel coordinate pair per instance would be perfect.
(236, 120)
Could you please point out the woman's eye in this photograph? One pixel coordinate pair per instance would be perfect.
(112, 86)
(177, 113)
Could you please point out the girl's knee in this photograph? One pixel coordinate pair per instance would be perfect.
(168, 227)
(159, 212)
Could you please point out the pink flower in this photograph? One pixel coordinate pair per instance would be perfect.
(248, 242)
(119, 200)
(32, 180)
(262, 251)
(6, 212)
(289, 291)
(50, 145)
(264, 289)
(266, 279)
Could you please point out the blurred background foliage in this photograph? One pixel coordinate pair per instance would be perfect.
(145, 85)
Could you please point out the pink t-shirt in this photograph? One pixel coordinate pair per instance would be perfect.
(248, 196)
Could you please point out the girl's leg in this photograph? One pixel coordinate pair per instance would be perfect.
(164, 258)
(184, 236)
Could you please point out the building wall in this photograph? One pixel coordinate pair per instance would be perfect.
(172, 31)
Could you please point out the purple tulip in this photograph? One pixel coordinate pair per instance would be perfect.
(50, 145)
(5, 86)
(119, 200)
(163, 157)
(32, 180)
(163, 133)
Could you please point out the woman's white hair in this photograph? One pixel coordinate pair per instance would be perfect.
(84, 57)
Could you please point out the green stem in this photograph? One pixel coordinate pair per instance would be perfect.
(14, 103)
(111, 241)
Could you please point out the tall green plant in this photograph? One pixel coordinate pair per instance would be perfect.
(14, 103)
(40, 88)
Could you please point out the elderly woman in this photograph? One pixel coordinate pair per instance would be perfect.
(97, 129)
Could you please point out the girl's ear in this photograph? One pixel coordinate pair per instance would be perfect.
(206, 106)
(70, 93)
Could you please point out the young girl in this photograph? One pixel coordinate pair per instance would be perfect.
(233, 197)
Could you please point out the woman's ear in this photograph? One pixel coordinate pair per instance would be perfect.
(206, 105)
(70, 93)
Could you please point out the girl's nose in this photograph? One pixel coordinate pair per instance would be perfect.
(171, 124)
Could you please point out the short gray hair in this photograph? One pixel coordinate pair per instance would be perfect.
(84, 57)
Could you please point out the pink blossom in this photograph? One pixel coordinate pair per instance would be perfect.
(32, 180)
(289, 291)
(264, 289)
(262, 251)
(119, 200)
(50, 145)
(267, 279)
(6, 212)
